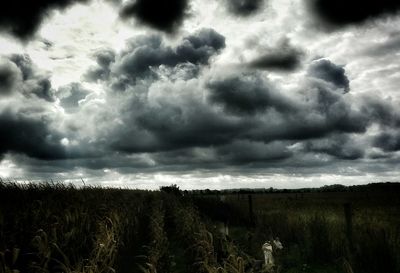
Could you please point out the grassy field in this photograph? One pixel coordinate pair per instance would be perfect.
(58, 228)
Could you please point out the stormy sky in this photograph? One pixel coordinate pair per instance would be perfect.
(201, 93)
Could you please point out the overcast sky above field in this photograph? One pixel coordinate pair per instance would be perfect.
(202, 93)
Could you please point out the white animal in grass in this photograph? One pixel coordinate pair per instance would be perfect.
(268, 248)
(277, 244)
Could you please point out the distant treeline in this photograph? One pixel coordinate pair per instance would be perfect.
(382, 186)
(174, 189)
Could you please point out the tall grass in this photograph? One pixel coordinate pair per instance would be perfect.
(315, 231)
(59, 228)
(157, 258)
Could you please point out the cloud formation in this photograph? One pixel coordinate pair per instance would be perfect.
(104, 58)
(147, 53)
(19, 75)
(70, 96)
(234, 99)
(165, 120)
(330, 72)
(25, 110)
(246, 94)
(218, 110)
(338, 145)
(22, 133)
(388, 141)
(9, 74)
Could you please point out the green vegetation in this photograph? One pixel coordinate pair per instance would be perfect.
(59, 228)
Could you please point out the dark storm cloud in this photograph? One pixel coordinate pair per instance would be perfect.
(253, 113)
(70, 95)
(247, 152)
(181, 111)
(340, 146)
(286, 61)
(211, 119)
(25, 114)
(24, 63)
(324, 111)
(339, 114)
(388, 141)
(33, 81)
(146, 53)
(244, 7)
(326, 70)
(22, 133)
(239, 152)
(229, 117)
(22, 18)
(340, 13)
(41, 87)
(160, 14)
(104, 59)
(387, 115)
(382, 112)
(19, 75)
(199, 47)
(8, 77)
(172, 127)
(282, 58)
(246, 94)
(146, 127)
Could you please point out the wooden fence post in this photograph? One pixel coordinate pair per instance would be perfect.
(251, 214)
(348, 214)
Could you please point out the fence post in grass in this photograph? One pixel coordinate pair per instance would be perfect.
(348, 213)
(251, 214)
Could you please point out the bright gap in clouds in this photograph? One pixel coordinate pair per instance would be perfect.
(75, 34)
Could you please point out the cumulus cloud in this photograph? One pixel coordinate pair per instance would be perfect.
(9, 76)
(246, 94)
(172, 126)
(21, 133)
(19, 75)
(104, 58)
(70, 96)
(326, 70)
(238, 107)
(251, 152)
(383, 112)
(180, 104)
(388, 141)
(167, 120)
(28, 114)
(147, 53)
(338, 145)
